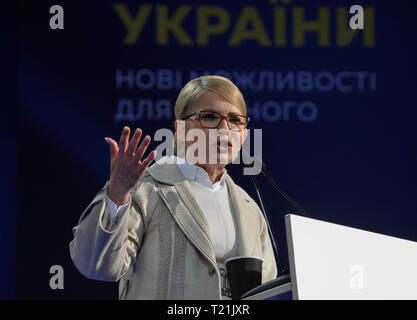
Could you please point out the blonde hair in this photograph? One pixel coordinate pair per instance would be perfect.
(190, 93)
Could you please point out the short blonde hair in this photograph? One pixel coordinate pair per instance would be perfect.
(190, 93)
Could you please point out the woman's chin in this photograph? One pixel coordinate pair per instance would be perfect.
(224, 155)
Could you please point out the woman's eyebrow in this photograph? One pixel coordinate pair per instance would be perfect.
(216, 111)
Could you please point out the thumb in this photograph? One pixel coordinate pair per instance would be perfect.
(114, 149)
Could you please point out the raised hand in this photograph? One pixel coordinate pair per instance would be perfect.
(126, 167)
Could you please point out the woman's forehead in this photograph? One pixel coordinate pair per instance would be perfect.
(214, 102)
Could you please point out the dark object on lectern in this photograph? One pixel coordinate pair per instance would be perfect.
(244, 274)
(275, 283)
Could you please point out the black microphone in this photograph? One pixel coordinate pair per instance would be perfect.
(257, 162)
(284, 270)
(285, 278)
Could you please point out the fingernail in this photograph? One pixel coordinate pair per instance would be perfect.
(105, 138)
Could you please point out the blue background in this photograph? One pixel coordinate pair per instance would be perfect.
(354, 165)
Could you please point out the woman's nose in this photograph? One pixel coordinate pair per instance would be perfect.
(223, 124)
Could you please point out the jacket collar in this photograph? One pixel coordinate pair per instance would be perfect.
(166, 171)
(185, 210)
(198, 174)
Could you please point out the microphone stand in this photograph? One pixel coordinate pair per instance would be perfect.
(285, 278)
(271, 235)
(279, 281)
(284, 195)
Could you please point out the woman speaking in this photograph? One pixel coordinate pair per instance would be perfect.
(165, 231)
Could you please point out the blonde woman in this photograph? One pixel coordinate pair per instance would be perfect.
(164, 231)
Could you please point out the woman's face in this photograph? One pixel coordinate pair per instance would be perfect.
(211, 145)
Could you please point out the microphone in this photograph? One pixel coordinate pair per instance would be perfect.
(285, 278)
(257, 162)
(245, 155)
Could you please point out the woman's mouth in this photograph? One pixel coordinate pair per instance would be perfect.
(224, 145)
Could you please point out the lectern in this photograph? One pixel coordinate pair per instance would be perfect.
(330, 261)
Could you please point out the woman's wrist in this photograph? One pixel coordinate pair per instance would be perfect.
(119, 198)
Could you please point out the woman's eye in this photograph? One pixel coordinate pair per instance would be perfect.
(235, 119)
(209, 116)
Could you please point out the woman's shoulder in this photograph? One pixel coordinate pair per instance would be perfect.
(242, 194)
(246, 199)
(144, 187)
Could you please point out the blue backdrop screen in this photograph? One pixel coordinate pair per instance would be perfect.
(336, 107)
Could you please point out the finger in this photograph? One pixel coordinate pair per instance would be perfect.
(114, 149)
(124, 139)
(142, 148)
(133, 144)
(148, 160)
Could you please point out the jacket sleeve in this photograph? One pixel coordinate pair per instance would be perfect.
(105, 246)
